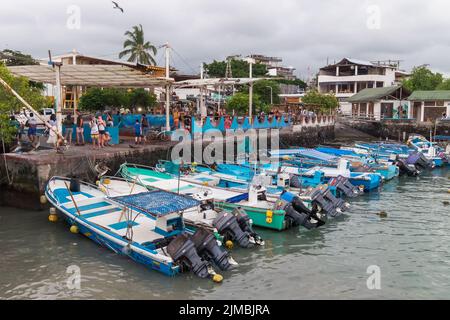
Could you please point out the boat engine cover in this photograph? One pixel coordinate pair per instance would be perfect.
(183, 250)
(207, 246)
(227, 224)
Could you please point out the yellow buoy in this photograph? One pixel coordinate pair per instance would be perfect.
(269, 213)
(97, 182)
(74, 229)
(269, 220)
(43, 199)
(217, 278)
(107, 181)
(52, 218)
(229, 244)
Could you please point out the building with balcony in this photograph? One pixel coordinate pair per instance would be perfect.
(275, 67)
(350, 76)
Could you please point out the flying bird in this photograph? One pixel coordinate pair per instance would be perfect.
(116, 6)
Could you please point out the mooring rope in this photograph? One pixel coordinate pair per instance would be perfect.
(6, 163)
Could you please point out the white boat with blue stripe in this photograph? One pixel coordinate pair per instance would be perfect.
(147, 226)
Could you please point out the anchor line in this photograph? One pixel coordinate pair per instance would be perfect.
(6, 163)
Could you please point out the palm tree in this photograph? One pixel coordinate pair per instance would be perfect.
(138, 50)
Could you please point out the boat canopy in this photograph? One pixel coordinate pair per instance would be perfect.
(308, 153)
(157, 203)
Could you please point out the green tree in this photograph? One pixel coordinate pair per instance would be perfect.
(445, 85)
(239, 103)
(137, 48)
(325, 102)
(423, 78)
(96, 99)
(239, 68)
(262, 89)
(142, 98)
(297, 82)
(16, 58)
(10, 104)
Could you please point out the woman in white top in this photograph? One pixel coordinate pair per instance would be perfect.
(94, 133)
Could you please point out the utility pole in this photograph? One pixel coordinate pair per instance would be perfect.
(167, 53)
(58, 89)
(250, 96)
(271, 94)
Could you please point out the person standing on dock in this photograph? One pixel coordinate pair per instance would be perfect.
(137, 132)
(101, 131)
(68, 124)
(145, 127)
(94, 133)
(80, 130)
(32, 125)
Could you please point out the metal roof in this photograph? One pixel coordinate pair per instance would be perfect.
(91, 75)
(430, 95)
(372, 94)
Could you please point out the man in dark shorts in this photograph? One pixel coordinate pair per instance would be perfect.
(32, 128)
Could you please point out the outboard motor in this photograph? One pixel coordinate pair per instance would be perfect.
(317, 198)
(339, 204)
(343, 185)
(207, 247)
(183, 251)
(419, 161)
(244, 222)
(408, 169)
(296, 212)
(228, 226)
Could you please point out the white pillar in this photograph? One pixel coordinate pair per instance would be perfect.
(355, 90)
(250, 96)
(59, 99)
(337, 71)
(167, 87)
(422, 112)
(356, 70)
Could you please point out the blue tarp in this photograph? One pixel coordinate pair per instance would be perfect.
(157, 203)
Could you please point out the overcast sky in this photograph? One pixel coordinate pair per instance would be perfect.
(303, 32)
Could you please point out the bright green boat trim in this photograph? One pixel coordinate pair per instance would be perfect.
(258, 215)
(145, 172)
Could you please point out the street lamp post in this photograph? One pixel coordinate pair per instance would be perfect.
(271, 95)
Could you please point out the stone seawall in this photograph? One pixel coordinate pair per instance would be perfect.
(29, 173)
(396, 129)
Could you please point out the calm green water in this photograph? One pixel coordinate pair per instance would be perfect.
(411, 247)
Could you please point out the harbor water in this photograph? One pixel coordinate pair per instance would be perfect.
(411, 248)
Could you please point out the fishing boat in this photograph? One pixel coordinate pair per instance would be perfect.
(146, 227)
(234, 227)
(368, 181)
(429, 149)
(253, 202)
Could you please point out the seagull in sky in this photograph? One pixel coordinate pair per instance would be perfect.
(116, 6)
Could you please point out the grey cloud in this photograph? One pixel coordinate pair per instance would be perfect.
(304, 32)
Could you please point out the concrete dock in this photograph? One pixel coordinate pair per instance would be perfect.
(29, 172)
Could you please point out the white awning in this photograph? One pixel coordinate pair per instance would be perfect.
(91, 76)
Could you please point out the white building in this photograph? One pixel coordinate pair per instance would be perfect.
(381, 103)
(350, 76)
(275, 67)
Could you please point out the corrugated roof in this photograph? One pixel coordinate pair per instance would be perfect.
(91, 75)
(371, 94)
(430, 95)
